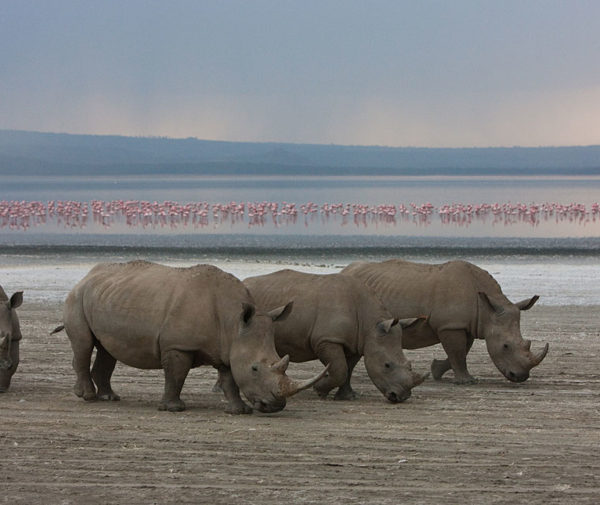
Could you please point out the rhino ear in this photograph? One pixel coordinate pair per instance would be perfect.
(407, 323)
(16, 300)
(281, 313)
(248, 311)
(384, 327)
(496, 307)
(527, 304)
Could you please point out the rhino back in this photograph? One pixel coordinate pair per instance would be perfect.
(325, 307)
(139, 309)
(440, 291)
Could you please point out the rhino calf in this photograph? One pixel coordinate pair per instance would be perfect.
(337, 319)
(462, 302)
(10, 336)
(152, 316)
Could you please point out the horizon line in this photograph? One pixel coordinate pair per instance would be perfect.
(267, 142)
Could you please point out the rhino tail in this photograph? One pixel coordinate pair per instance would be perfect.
(57, 329)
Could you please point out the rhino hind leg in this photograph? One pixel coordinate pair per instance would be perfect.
(82, 344)
(176, 365)
(345, 391)
(104, 365)
(337, 375)
(457, 344)
(232, 393)
(217, 386)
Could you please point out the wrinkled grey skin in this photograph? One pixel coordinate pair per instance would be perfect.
(152, 316)
(461, 302)
(337, 319)
(10, 336)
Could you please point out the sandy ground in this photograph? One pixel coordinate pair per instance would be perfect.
(494, 442)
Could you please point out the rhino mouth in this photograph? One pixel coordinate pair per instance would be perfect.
(268, 407)
(395, 397)
(517, 377)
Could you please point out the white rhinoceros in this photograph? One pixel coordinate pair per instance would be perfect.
(337, 319)
(153, 316)
(10, 336)
(461, 302)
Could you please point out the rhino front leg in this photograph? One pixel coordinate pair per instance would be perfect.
(455, 343)
(332, 355)
(104, 365)
(345, 391)
(232, 393)
(440, 366)
(176, 365)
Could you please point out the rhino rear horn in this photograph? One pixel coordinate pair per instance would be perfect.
(282, 364)
(418, 379)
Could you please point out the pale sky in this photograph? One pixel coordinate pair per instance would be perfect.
(448, 73)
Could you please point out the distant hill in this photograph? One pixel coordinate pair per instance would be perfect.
(35, 153)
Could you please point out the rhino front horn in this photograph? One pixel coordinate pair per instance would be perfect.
(290, 387)
(536, 360)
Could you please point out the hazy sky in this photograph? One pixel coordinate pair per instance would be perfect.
(398, 73)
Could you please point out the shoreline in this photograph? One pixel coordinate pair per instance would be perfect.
(561, 281)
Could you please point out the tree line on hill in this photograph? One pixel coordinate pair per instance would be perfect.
(37, 153)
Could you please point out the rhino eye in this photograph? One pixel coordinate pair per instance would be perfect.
(255, 367)
(388, 365)
(505, 346)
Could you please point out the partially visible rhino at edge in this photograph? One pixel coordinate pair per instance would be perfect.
(337, 319)
(10, 337)
(462, 302)
(153, 316)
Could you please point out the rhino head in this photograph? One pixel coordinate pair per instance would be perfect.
(499, 323)
(256, 367)
(385, 362)
(10, 334)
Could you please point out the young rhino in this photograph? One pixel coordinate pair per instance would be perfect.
(10, 335)
(337, 319)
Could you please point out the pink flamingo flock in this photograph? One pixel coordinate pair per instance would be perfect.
(23, 215)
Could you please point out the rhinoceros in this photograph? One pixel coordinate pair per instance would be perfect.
(10, 336)
(461, 302)
(152, 316)
(337, 319)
